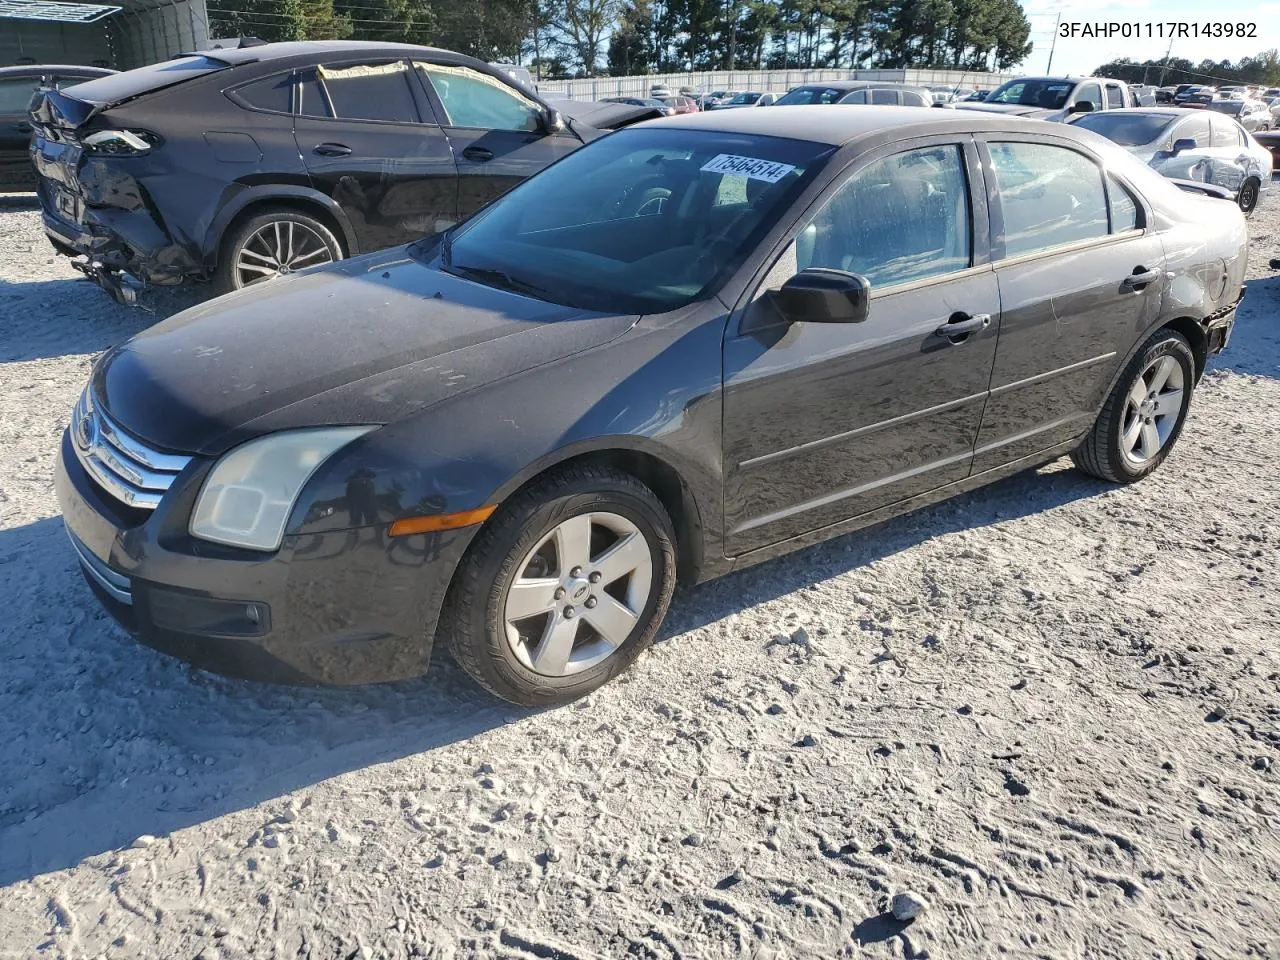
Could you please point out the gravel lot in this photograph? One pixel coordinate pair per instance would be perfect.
(1051, 708)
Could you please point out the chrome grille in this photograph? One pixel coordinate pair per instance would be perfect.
(124, 467)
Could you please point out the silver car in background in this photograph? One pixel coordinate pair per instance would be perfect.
(1202, 145)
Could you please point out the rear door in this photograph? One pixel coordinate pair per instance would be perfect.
(827, 421)
(15, 132)
(370, 141)
(497, 134)
(1080, 278)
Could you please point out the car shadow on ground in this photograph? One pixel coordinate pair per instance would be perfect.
(1255, 342)
(56, 318)
(104, 740)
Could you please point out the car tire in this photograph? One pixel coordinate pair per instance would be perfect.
(1248, 196)
(252, 245)
(1131, 436)
(557, 654)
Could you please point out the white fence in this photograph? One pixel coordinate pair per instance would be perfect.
(771, 81)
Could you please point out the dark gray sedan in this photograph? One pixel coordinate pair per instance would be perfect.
(517, 437)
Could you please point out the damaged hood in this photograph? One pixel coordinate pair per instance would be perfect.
(364, 341)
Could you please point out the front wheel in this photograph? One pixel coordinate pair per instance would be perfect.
(1143, 416)
(563, 588)
(1248, 197)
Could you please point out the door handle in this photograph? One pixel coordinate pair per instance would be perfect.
(478, 154)
(962, 324)
(332, 150)
(1140, 278)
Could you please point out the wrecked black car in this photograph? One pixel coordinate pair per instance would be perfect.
(239, 165)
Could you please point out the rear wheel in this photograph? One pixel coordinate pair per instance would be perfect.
(273, 243)
(1143, 416)
(1248, 196)
(563, 588)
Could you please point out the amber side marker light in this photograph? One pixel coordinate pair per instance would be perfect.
(441, 521)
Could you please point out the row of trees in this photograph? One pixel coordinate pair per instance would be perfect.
(576, 38)
(1261, 69)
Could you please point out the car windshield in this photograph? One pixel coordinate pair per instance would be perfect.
(641, 221)
(1232, 107)
(1046, 94)
(1126, 129)
(801, 96)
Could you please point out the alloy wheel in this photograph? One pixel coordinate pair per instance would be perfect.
(1152, 409)
(280, 248)
(578, 594)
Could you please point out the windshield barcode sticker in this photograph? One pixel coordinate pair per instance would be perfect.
(750, 167)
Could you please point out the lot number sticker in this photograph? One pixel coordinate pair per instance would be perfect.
(750, 167)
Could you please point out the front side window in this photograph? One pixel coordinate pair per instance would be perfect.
(15, 95)
(1090, 93)
(373, 91)
(902, 218)
(1049, 195)
(640, 221)
(1115, 96)
(1196, 128)
(478, 100)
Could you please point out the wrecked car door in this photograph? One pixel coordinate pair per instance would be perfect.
(370, 141)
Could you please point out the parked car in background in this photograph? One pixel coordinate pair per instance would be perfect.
(656, 103)
(1203, 145)
(1194, 95)
(680, 104)
(1143, 95)
(747, 98)
(856, 91)
(1165, 94)
(1055, 98)
(17, 86)
(1271, 141)
(1253, 115)
(520, 75)
(977, 96)
(942, 94)
(285, 484)
(241, 165)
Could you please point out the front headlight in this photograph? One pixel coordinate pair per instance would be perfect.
(247, 497)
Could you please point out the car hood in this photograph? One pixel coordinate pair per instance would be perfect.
(368, 340)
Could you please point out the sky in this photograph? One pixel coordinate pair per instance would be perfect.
(1081, 55)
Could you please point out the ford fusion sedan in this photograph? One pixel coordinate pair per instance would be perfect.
(510, 441)
(246, 164)
(1207, 146)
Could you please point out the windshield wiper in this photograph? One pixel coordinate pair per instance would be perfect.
(499, 279)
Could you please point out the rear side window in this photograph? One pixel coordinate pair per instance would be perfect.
(16, 94)
(478, 100)
(1115, 96)
(902, 218)
(274, 94)
(311, 99)
(912, 99)
(1050, 196)
(884, 96)
(372, 91)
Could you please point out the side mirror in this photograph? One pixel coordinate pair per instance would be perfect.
(553, 120)
(819, 295)
(1184, 143)
(1084, 106)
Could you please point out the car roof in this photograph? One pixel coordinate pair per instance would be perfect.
(303, 48)
(822, 124)
(39, 69)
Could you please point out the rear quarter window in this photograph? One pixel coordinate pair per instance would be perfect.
(272, 94)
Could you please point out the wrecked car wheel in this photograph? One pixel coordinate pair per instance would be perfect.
(1248, 198)
(274, 243)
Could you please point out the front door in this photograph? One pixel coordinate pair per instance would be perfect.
(370, 142)
(497, 133)
(1080, 277)
(827, 421)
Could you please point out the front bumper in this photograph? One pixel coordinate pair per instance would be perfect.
(342, 607)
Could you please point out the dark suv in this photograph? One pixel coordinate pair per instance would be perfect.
(242, 164)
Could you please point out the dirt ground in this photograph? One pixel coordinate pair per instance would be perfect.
(1051, 708)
